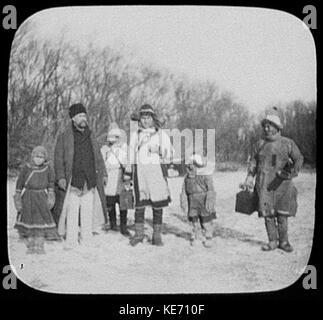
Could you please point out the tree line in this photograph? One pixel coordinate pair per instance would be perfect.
(45, 79)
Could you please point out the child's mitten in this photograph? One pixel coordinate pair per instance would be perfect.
(51, 199)
(17, 201)
(210, 201)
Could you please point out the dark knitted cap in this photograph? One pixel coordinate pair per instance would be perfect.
(76, 109)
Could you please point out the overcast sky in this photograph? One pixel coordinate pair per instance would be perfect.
(262, 56)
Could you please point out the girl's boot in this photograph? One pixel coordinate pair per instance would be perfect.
(207, 234)
(31, 246)
(123, 223)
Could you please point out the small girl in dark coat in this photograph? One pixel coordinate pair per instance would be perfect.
(33, 199)
(198, 199)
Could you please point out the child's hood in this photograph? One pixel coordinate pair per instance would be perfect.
(206, 170)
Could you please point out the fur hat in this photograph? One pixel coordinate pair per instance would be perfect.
(76, 109)
(39, 151)
(147, 109)
(114, 132)
(273, 119)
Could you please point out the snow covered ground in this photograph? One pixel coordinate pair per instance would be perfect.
(235, 263)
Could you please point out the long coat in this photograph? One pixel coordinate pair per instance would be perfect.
(34, 182)
(270, 157)
(63, 162)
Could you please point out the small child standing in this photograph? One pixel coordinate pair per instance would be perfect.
(34, 197)
(198, 199)
(115, 157)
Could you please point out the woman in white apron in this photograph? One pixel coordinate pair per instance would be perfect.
(149, 149)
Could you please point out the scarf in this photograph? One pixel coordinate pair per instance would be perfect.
(145, 135)
(33, 166)
(274, 137)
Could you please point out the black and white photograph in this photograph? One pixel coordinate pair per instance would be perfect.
(161, 149)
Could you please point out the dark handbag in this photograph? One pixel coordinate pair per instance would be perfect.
(127, 200)
(246, 202)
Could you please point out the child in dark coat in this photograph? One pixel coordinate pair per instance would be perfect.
(198, 200)
(34, 197)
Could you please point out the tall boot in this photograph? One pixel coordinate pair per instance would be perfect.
(113, 219)
(194, 235)
(139, 227)
(283, 234)
(157, 238)
(157, 226)
(139, 234)
(123, 223)
(271, 229)
(30, 245)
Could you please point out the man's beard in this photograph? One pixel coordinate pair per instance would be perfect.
(81, 126)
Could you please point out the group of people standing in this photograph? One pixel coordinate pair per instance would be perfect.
(78, 197)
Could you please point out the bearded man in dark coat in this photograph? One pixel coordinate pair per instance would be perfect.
(80, 175)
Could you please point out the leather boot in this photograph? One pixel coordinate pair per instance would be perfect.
(283, 234)
(139, 234)
(271, 229)
(113, 219)
(123, 223)
(157, 239)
